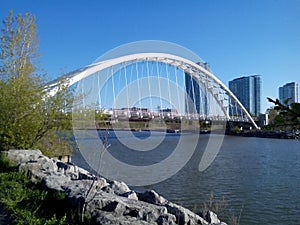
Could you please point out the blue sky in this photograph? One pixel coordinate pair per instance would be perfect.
(236, 37)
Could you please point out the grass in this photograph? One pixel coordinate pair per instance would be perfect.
(214, 205)
(26, 203)
(220, 207)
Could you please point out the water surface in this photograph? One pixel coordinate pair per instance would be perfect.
(257, 177)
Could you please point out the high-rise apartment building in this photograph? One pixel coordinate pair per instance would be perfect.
(248, 90)
(289, 91)
(197, 102)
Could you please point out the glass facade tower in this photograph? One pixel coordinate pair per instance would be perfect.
(248, 90)
(196, 101)
(289, 91)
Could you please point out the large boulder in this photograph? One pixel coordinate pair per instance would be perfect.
(211, 217)
(23, 156)
(152, 197)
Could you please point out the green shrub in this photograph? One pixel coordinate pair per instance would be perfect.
(27, 203)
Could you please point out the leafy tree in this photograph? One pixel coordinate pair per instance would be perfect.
(289, 114)
(28, 117)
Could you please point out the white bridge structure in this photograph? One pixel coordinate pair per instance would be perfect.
(157, 84)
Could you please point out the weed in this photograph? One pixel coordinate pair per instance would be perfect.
(221, 208)
(87, 198)
(214, 205)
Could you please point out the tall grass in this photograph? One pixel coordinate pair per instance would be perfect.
(221, 208)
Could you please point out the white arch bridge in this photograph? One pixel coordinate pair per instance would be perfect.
(148, 85)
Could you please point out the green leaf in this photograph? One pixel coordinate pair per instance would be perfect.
(286, 101)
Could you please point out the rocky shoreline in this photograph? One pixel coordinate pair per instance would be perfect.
(291, 134)
(102, 201)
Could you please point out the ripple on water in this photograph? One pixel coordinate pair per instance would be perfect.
(259, 176)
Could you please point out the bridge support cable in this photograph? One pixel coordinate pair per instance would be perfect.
(177, 85)
(83, 93)
(113, 90)
(106, 86)
(149, 84)
(206, 96)
(119, 75)
(138, 83)
(98, 89)
(93, 84)
(132, 72)
(215, 96)
(169, 88)
(188, 96)
(124, 69)
(196, 71)
(153, 84)
(132, 66)
(201, 103)
(159, 86)
(193, 97)
(203, 100)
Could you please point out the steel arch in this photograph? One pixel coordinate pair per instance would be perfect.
(210, 81)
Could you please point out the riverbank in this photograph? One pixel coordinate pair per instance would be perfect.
(280, 134)
(100, 201)
(291, 134)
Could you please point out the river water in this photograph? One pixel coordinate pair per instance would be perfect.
(258, 178)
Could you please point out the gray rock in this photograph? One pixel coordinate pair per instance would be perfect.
(84, 174)
(118, 187)
(103, 201)
(183, 215)
(166, 220)
(56, 182)
(152, 197)
(130, 195)
(100, 218)
(212, 218)
(22, 156)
